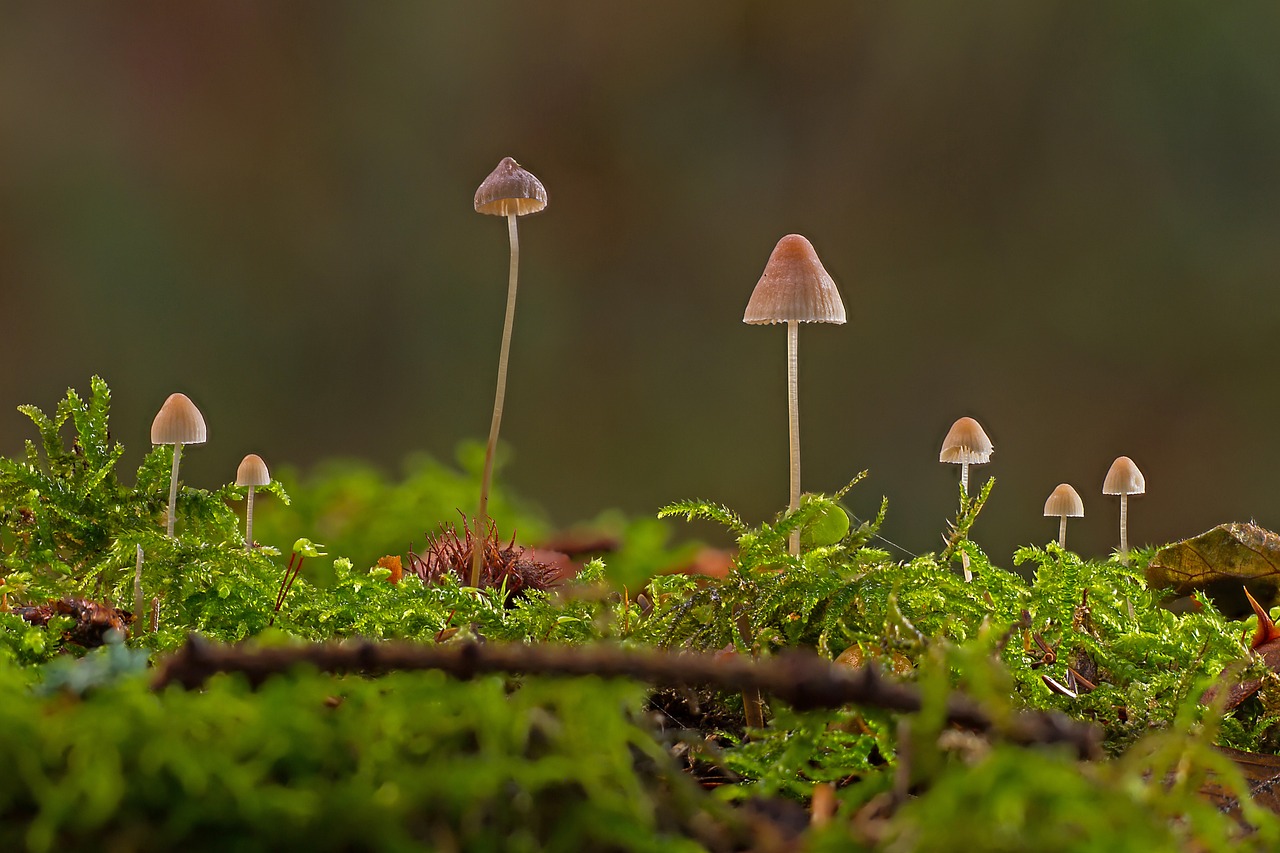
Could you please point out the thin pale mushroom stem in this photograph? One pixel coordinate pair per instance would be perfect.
(173, 486)
(793, 412)
(248, 521)
(137, 586)
(964, 486)
(1062, 532)
(1124, 529)
(964, 477)
(477, 559)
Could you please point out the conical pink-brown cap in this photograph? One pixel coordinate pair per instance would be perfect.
(1124, 478)
(510, 189)
(178, 422)
(966, 441)
(1065, 501)
(252, 471)
(795, 287)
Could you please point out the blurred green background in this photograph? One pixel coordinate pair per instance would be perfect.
(1058, 217)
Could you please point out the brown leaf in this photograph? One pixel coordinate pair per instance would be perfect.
(1229, 552)
(1261, 774)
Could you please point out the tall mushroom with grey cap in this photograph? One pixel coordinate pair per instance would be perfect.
(795, 288)
(1124, 479)
(966, 444)
(509, 191)
(178, 422)
(1064, 503)
(252, 473)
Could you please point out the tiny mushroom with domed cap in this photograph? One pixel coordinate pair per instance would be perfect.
(178, 422)
(1124, 479)
(795, 288)
(966, 444)
(509, 191)
(252, 473)
(1064, 503)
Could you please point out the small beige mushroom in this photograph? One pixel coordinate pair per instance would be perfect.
(178, 422)
(252, 473)
(509, 191)
(1124, 479)
(1064, 503)
(795, 288)
(966, 444)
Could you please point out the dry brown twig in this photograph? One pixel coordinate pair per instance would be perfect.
(801, 679)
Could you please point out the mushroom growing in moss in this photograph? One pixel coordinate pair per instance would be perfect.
(252, 473)
(795, 288)
(509, 191)
(1064, 503)
(178, 422)
(966, 444)
(1124, 479)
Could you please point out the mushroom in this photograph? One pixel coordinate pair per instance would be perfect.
(1124, 479)
(1064, 503)
(178, 422)
(252, 472)
(509, 191)
(966, 444)
(795, 288)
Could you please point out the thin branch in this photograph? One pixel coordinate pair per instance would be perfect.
(801, 679)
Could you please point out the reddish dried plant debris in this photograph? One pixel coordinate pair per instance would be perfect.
(508, 566)
(92, 620)
(1266, 645)
(392, 564)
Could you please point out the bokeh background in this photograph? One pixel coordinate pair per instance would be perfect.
(1061, 217)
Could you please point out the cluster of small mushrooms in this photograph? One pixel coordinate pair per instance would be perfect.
(795, 288)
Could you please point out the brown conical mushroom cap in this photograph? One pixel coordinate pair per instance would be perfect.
(1065, 501)
(966, 441)
(1124, 478)
(252, 471)
(178, 422)
(795, 286)
(510, 189)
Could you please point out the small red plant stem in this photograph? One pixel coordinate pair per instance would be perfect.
(291, 572)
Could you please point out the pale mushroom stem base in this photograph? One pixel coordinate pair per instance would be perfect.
(793, 420)
(1062, 532)
(173, 487)
(482, 513)
(1124, 529)
(248, 521)
(964, 487)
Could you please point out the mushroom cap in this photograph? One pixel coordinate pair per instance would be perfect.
(1124, 478)
(510, 189)
(966, 441)
(252, 471)
(1065, 501)
(178, 422)
(794, 287)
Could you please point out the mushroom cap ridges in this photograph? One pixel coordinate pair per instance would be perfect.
(966, 441)
(1124, 478)
(178, 422)
(252, 471)
(794, 287)
(1065, 501)
(510, 189)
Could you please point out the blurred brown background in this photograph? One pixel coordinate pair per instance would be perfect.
(1058, 217)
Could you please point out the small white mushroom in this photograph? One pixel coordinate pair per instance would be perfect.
(1064, 503)
(252, 472)
(966, 444)
(178, 422)
(795, 288)
(1124, 479)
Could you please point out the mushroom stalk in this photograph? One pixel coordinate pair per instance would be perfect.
(1062, 533)
(248, 521)
(173, 487)
(964, 477)
(482, 513)
(793, 412)
(1124, 529)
